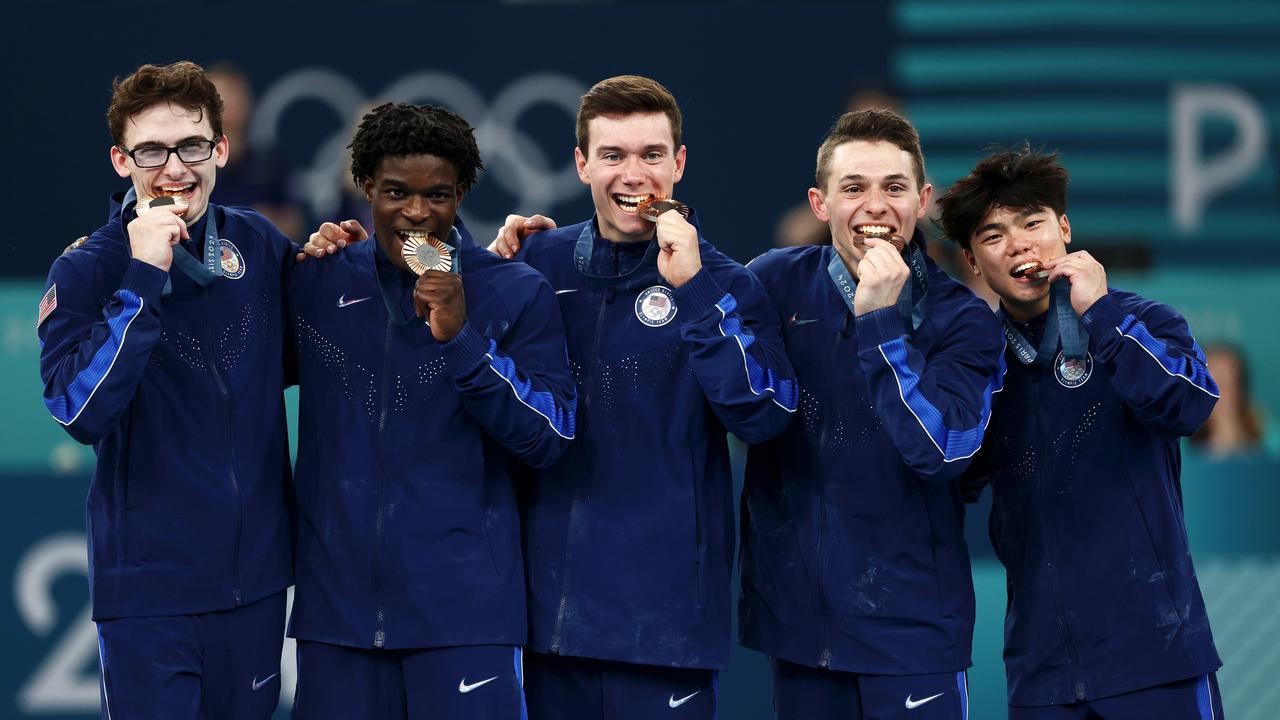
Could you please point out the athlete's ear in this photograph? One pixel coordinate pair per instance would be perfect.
(972, 262)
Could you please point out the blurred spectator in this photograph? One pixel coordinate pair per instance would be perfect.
(799, 226)
(254, 177)
(1236, 427)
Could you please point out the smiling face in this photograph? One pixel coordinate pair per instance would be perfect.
(410, 196)
(168, 125)
(870, 190)
(1007, 239)
(629, 159)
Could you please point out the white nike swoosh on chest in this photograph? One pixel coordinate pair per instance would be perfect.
(562, 292)
(344, 302)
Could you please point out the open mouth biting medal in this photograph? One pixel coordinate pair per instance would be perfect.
(426, 252)
(1031, 269)
(146, 203)
(653, 206)
(882, 232)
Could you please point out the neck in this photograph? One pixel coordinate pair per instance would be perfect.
(626, 239)
(391, 248)
(847, 257)
(1023, 312)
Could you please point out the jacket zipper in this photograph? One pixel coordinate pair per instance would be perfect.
(1078, 689)
(824, 660)
(231, 446)
(575, 509)
(379, 633)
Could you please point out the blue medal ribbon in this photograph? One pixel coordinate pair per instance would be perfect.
(1062, 324)
(911, 299)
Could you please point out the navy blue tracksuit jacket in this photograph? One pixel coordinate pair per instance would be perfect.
(1087, 509)
(409, 449)
(629, 537)
(179, 392)
(853, 550)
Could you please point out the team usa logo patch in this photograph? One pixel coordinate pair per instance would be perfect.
(656, 306)
(231, 259)
(1072, 372)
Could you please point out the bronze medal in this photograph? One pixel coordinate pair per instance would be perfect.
(427, 253)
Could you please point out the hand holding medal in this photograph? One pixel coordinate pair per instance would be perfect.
(679, 257)
(153, 234)
(438, 296)
(1087, 277)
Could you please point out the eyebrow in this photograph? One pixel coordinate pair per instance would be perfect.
(1020, 216)
(157, 143)
(895, 177)
(613, 148)
(403, 184)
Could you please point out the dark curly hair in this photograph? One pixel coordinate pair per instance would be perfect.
(1018, 178)
(401, 129)
(183, 83)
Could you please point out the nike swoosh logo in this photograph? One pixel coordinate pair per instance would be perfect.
(562, 292)
(343, 301)
(259, 685)
(464, 688)
(796, 322)
(674, 703)
(913, 704)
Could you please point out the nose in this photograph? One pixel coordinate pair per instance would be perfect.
(874, 202)
(174, 167)
(632, 173)
(416, 209)
(1019, 242)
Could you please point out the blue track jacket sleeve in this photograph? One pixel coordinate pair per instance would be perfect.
(518, 386)
(92, 356)
(1156, 366)
(935, 408)
(737, 354)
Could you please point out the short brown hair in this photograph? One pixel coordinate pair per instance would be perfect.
(627, 95)
(871, 125)
(183, 83)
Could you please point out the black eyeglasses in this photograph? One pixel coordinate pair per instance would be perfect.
(192, 151)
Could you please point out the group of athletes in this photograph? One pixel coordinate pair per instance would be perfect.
(512, 494)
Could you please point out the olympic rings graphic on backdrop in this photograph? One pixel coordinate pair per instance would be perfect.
(514, 159)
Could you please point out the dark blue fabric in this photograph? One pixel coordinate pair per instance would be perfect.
(180, 396)
(629, 536)
(1190, 699)
(410, 449)
(574, 688)
(853, 551)
(210, 665)
(807, 693)
(467, 682)
(1087, 511)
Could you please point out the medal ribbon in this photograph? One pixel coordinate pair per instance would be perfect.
(1062, 324)
(911, 299)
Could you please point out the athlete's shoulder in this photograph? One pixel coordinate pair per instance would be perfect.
(560, 239)
(781, 262)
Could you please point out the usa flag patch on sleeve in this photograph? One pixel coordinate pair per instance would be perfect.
(48, 304)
